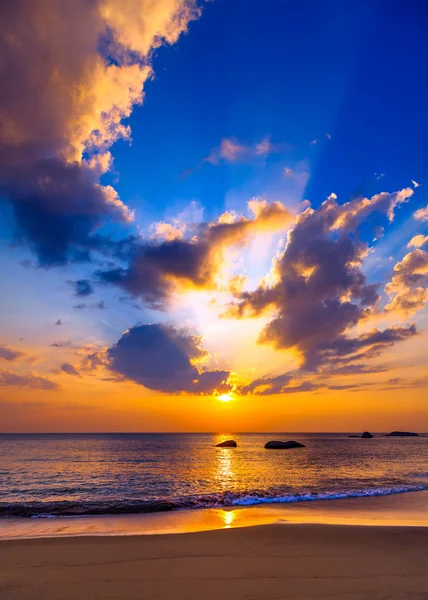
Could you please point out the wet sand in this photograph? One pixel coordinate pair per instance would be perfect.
(270, 562)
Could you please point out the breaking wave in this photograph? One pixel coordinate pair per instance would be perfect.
(53, 509)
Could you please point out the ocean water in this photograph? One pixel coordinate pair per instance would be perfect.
(100, 474)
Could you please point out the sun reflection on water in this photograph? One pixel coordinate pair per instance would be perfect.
(228, 516)
(225, 467)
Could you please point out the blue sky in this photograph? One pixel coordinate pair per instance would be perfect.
(293, 71)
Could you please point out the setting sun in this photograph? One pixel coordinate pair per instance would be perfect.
(225, 398)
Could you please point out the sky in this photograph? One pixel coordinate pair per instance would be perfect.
(213, 216)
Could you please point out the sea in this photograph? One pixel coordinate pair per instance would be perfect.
(65, 475)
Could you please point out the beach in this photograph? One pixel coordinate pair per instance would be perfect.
(171, 517)
(255, 563)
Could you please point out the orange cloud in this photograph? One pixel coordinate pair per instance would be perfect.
(156, 270)
(418, 241)
(421, 214)
(408, 287)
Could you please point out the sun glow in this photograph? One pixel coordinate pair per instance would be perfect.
(225, 397)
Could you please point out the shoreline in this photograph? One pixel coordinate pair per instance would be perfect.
(407, 509)
(267, 562)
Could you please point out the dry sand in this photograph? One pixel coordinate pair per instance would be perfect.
(254, 563)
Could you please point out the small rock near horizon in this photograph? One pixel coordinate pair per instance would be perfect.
(227, 444)
(276, 445)
(402, 434)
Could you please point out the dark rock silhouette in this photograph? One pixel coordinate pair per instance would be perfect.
(355, 436)
(402, 434)
(227, 444)
(367, 435)
(275, 445)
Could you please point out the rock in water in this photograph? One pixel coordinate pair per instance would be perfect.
(402, 434)
(227, 444)
(355, 436)
(367, 434)
(275, 445)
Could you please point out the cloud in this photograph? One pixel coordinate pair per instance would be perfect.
(82, 306)
(161, 358)
(320, 291)
(298, 176)
(357, 369)
(421, 214)
(156, 269)
(62, 344)
(415, 183)
(282, 384)
(81, 87)
(168, 231)
(10, 354)
(315, 141)
(30, 380)
(267, 385)
(408, 288)
(418, 241)
(70, 369)
(345, 346)
(231, 150)
(82, 287)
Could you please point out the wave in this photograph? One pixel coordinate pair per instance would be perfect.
(51, 509)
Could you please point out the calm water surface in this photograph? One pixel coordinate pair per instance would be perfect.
(84, 474)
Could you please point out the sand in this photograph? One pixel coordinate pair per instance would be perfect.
(267, 562)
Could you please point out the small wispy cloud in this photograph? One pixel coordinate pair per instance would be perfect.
(230, 150)
(62, 344)
(317, 140)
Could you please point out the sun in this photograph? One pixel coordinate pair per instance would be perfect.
(225, 397)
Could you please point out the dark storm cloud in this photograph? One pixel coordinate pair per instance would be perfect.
(10, 354)
(30, 380)
(321, 290)
(159, 358)
(156, 268)
(82, 287)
